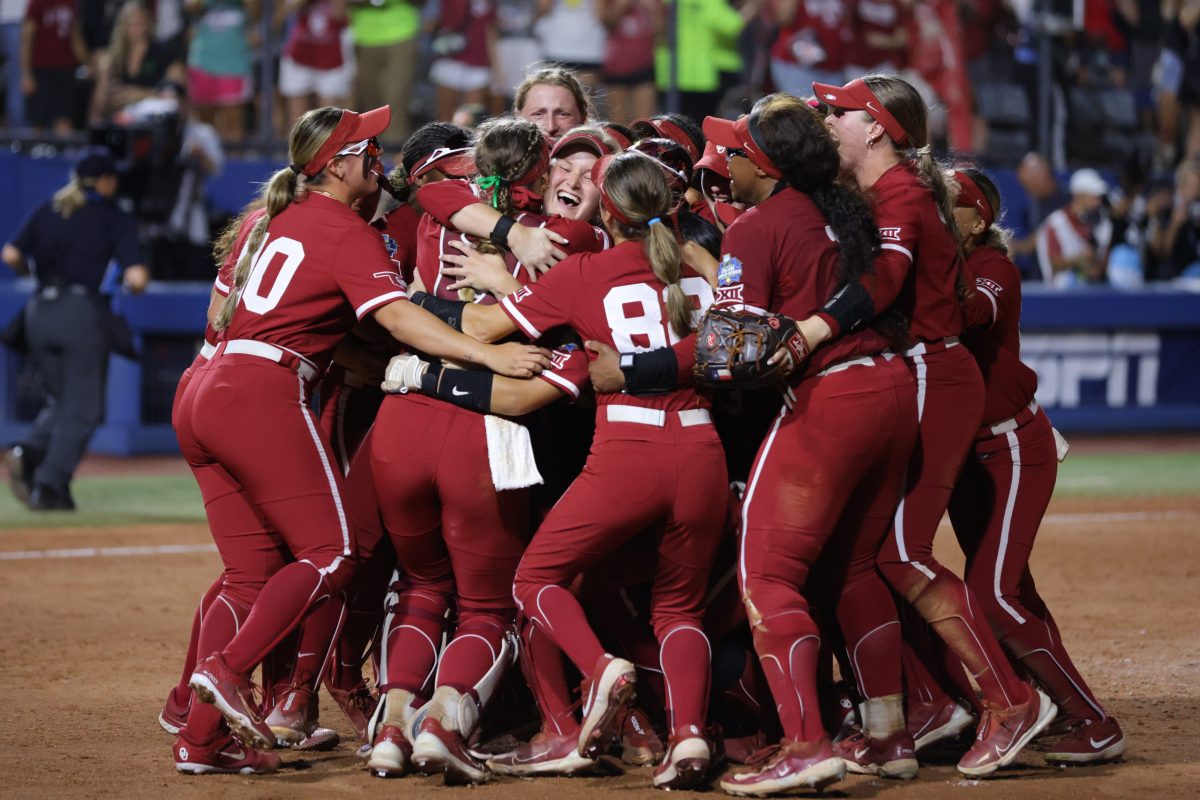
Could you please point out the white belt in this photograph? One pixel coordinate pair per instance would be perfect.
(1016, 420)
(921, 348)
(279, 355)
(656, 417)
(208, 350)
(862, 361)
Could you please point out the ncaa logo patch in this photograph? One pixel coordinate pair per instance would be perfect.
(730, 271)
(391, 244)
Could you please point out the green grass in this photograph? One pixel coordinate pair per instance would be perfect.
(123, 500)
(1128, 474)
(152, 499)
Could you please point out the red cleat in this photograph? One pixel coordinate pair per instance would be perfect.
(438, 750)
(233, 695)
(1004, 732)
(788, 766)
(391, 753)
(606, 691)
(224, 756)
(545, 754)
(929, 723)
(889, 757)
(1088, 742)
(173, 717)
(640, 745)
(685, 764)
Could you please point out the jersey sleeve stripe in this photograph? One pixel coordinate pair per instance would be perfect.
(375, 303)
(220, 286)
(897, 248)
(992, 298)
(510, 308)
(560, 383)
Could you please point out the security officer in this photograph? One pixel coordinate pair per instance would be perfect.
(69, 326)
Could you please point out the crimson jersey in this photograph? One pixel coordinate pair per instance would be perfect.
(917, 267)
(819, 35)
(883, 17)
(780, 256)
(319, 270)
(316, 36)
(399, 231)
(568, 370)
(615, 298)
(994, 335)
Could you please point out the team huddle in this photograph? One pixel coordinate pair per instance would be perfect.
(457, 422)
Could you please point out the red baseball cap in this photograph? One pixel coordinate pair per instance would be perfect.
(351, 127)
(457, 163)
(714, 159)
(585, 139)
(857, 96)
(737, 134)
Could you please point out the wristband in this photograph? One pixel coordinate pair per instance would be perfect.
(499, 234)
(653, 372)
(448, 311)
(851, 308)
(466, 388)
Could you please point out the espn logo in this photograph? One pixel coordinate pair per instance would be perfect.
(890, 234)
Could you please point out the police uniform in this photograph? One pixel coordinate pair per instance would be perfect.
(68, 329)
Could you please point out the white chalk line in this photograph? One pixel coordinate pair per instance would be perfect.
(109, 552)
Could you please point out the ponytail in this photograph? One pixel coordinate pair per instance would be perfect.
(662, 248)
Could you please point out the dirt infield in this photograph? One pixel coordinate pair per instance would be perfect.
(89, 646)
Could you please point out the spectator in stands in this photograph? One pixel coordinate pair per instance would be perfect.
(52, 49)
(517, 50)
(629, 56)
(12, 18)
(314, 70)
(1024, 213)
(572, 36)
(385, 47)
(553, 99)
(1178, 81)
(881, 30)
(704, 26)
(814, 39)
(219, 66)
(463, 45)
(170, 28)
(1175, 231)
(133, 65)
(1073, 242)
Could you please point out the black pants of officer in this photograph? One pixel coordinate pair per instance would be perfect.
(68, 335)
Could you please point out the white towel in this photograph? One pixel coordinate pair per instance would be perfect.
(510, 454)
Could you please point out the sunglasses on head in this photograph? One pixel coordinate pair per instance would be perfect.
(369, 147)
(734, 152)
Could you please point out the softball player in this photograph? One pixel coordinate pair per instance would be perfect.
(882, 133)
(244, 423)
(830, 472)
(659, 455)
(1007, 482)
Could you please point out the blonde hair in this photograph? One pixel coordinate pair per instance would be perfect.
(72, 197)
(555, 76)
(639, 190)
(306, 138)
(118, 48)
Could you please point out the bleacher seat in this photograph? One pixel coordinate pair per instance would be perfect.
(1002, 104)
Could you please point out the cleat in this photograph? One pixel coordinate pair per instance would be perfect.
(606, 691)
(788, 766)
(741, 749)
(440, 751)
(391, 753)
(889, 757)
(224, 756)
(1004, 732)
(319, 741)
(294, 718)
(929, 723)
(685, 764)
(20, 473)
(358, 704)
(545, 754)
(173, 717)
(640, 745)
(233, 695)
(1088, 742)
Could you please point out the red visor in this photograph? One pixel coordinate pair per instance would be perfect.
(971, 196)
(736, 135)
(669, 130)
(583, 139)
(352, 127)
(621, 139)
(857, 96)
(457, 163)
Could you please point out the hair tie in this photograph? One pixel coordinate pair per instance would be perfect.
(492, 182)
(656, 219)
(295, 169)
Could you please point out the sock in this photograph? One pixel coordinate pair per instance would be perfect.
(278, 609)
(686, 657)
(182, 691)
(412, 638)
(789, 662)
(562, 619)
(544, 670)
(225, 616)
(1039, 647)
(471, 653)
